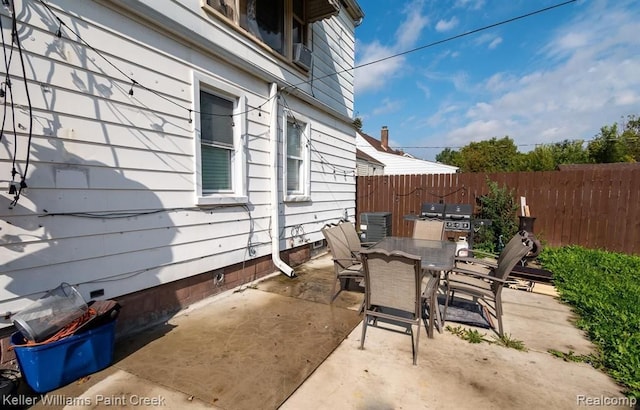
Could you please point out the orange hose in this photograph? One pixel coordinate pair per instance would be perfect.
(68, 330)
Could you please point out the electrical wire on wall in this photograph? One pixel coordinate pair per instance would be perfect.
(15, 187)
(336, 168)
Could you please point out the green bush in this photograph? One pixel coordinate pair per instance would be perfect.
(604, 289)
(500, 206)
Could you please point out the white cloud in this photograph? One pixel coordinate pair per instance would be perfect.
(425, 89)
(477, 131)
(444, 25)
(495, 42)
(470, 4)
(387, 106)
(371, 77)
(492, 40)
(458, 78)
(587, 77)
(409, 31)
(374, 76)
(442, 114)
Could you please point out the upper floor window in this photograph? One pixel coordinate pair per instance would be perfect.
(267, 21)
(280, 24)
(219, 129)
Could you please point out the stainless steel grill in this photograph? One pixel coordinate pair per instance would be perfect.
(457, 217)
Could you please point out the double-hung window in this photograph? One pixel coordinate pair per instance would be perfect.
(297, 175)
(219, 130)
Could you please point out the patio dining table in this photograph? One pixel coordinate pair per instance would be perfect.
(436, 256)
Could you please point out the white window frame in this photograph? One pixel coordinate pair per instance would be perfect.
(238, 192)
(304, 194)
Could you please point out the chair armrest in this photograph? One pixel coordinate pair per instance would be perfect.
(479, 253)
(475, 274)
(353, 261)
(469, 259)
(367, 244)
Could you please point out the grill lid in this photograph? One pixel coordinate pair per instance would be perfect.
(458, 211)
(432, 210)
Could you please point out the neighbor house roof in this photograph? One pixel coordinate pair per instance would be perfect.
(396, 162)
(378, 145)
(366, 157)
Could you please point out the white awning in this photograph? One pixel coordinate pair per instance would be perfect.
(321, 9)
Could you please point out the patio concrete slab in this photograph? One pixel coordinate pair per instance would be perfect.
(249, 350)
(280, 344)
(454, 374)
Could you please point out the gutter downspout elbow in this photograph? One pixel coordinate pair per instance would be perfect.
(275, 226)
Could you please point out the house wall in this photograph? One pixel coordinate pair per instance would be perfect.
(365, 168)
(111, 198)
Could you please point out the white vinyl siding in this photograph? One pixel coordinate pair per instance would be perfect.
(113, 178)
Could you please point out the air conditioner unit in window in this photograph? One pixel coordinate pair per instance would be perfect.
(302, 56)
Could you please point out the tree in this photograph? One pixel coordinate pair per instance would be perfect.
(502, 155)
(357, 123)
(547, 157)
(541, 158)
(607, 147)
(494, 155)
(631, 137)
(449, 156)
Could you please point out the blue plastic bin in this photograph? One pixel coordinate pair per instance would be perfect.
(49, 366)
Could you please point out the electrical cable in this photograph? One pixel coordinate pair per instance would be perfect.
(137, 83)
(12, 187)
(5, 87)
(23, 183)
(445, 40)
(307, 138)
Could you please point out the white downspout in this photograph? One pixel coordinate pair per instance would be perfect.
(275, 226)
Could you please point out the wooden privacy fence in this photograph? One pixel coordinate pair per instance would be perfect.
(595, 206)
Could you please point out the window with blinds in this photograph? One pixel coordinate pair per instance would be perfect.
(216, 143)
(219, 129)
(295, 158)
(297, 166)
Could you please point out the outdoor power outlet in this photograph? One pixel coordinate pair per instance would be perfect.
(218, 279)
(96, 293)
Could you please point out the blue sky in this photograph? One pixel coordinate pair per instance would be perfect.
(557, 75)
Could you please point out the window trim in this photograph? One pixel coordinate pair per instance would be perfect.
(305, 174)
(238, 193)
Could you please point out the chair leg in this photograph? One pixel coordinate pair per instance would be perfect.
(417, 345)
(334, 295)
(364, 331)
(448, 296)
(498, 302)
(434, 314)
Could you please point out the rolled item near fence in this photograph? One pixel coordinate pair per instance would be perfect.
(53, 311)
